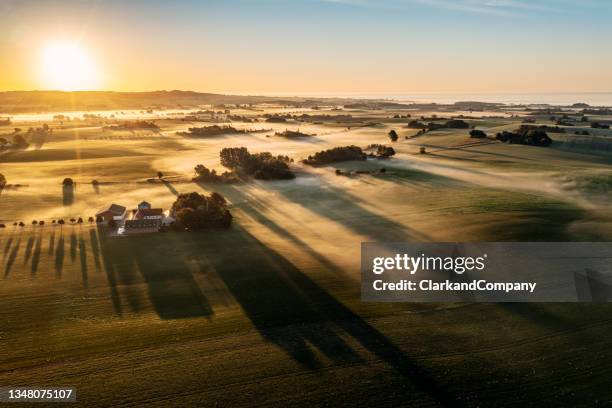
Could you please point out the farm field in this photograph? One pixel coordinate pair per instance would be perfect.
(269, 312)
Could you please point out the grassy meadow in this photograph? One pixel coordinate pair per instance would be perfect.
(268, 313)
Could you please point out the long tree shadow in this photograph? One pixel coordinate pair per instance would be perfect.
(68, 195)
(59, 256)
(350, 211)
(170, 285)
(28, 249)
(7, 246)
(83, 259)
(291, 310)
(95, 247)
(170, 187)
(36, 255)
(73, 246)
(254, 210)
(51, 244)
(12, 257)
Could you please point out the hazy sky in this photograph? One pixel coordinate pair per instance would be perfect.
(297, 46)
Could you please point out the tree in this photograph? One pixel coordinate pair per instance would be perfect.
(41, 223)
(2, 181)
(34, 222)
(160, 175)
(61, 222)
(68, 182)
(90, 220)
(478, 134)
(198, 211)
(80, 220)
(218, 199)
(393, 135)
(20, 142)
(21, 224)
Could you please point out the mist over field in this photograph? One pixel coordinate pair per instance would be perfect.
(277, 295)
(185, 189)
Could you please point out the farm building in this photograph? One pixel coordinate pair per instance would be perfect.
(149, 214)
(144, 205)
(114, 212)
(140, 226)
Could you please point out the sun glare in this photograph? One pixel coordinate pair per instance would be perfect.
(68, 67)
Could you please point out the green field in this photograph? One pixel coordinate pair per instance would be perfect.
(269, 312)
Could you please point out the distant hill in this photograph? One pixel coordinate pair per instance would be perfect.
(45, 101)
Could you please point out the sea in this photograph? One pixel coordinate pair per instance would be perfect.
(552, 98)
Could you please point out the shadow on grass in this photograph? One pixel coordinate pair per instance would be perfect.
(170, 187)
(339, 206)
(73, 246)
(95, 247)
(59, 256)
(28, 249)
(291, 310)
(12, 257)
(36, 255)
(51, 244)
(83, 259)
(131, 262)
(7, 246)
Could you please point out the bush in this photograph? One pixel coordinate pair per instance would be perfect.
(478, 134)
(457, 124)
(198, 211)
(393, 135)
(415, 124)
(336, 154)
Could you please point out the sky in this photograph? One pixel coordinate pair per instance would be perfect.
(308, 46)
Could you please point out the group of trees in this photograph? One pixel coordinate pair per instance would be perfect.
(17, 142)
(134, 125)
(213, 130)
(204, 174)
(523, 129)
(291, 134)
(532, 137)
(449, 124)
(262, 166)
(198, 211)
(336, 154)
(60, 222)
(380, 151)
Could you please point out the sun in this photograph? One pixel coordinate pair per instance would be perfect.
(68, 67)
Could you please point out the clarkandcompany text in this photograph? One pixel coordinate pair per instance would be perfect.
(474, 285)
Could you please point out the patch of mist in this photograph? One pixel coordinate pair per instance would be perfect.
(540, 183)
